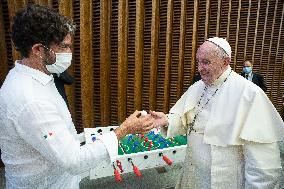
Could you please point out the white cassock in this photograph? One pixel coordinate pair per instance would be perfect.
(235, 142)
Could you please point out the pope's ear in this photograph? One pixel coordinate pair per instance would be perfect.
(227, 61)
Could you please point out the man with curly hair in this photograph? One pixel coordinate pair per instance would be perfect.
(40, 146)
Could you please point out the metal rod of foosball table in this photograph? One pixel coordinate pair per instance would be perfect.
(157, 139)
(141, 150)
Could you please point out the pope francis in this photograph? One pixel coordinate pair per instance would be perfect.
(232, 127)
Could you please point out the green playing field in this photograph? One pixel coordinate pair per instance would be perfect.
(150, 141)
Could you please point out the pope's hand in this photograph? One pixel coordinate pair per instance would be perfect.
(135, 124)
(161, 119)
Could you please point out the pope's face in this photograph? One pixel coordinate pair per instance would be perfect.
(210, 64)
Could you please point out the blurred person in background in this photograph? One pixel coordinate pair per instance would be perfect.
(253, 76)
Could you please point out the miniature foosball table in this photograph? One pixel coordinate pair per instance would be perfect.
(138, 152)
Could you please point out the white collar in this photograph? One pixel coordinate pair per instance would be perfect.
(223, 76)
(35, 74)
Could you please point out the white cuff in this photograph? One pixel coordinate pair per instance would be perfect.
(111, 143)
(175, 126)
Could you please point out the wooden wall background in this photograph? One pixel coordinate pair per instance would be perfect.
(140, 54)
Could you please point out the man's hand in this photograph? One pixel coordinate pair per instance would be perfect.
(161, 119)
(135, 124)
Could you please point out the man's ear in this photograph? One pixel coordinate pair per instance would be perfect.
(37, 49)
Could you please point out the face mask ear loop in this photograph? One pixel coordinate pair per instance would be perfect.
(54, 55)
(48, 51)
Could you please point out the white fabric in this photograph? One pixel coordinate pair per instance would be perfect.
(241, 130)
(262, 165)
(240, 111)
(222, 43)
(227, 167)
(281, 147)
(205, 109)
(30, 109)
(215, 167)
(177, 117)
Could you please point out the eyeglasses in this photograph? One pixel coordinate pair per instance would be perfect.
(61, 45)
(64, 46)
(47, 48)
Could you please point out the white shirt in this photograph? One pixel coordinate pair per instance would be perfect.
(40, 146)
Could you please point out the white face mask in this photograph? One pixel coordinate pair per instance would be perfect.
(63, 61)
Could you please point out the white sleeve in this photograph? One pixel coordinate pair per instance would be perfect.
(175, 126)
(48, 134)
(262, 165)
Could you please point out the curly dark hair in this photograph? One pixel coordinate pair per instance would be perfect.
(39, 24)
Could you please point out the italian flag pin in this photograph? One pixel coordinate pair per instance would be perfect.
(48, 136)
